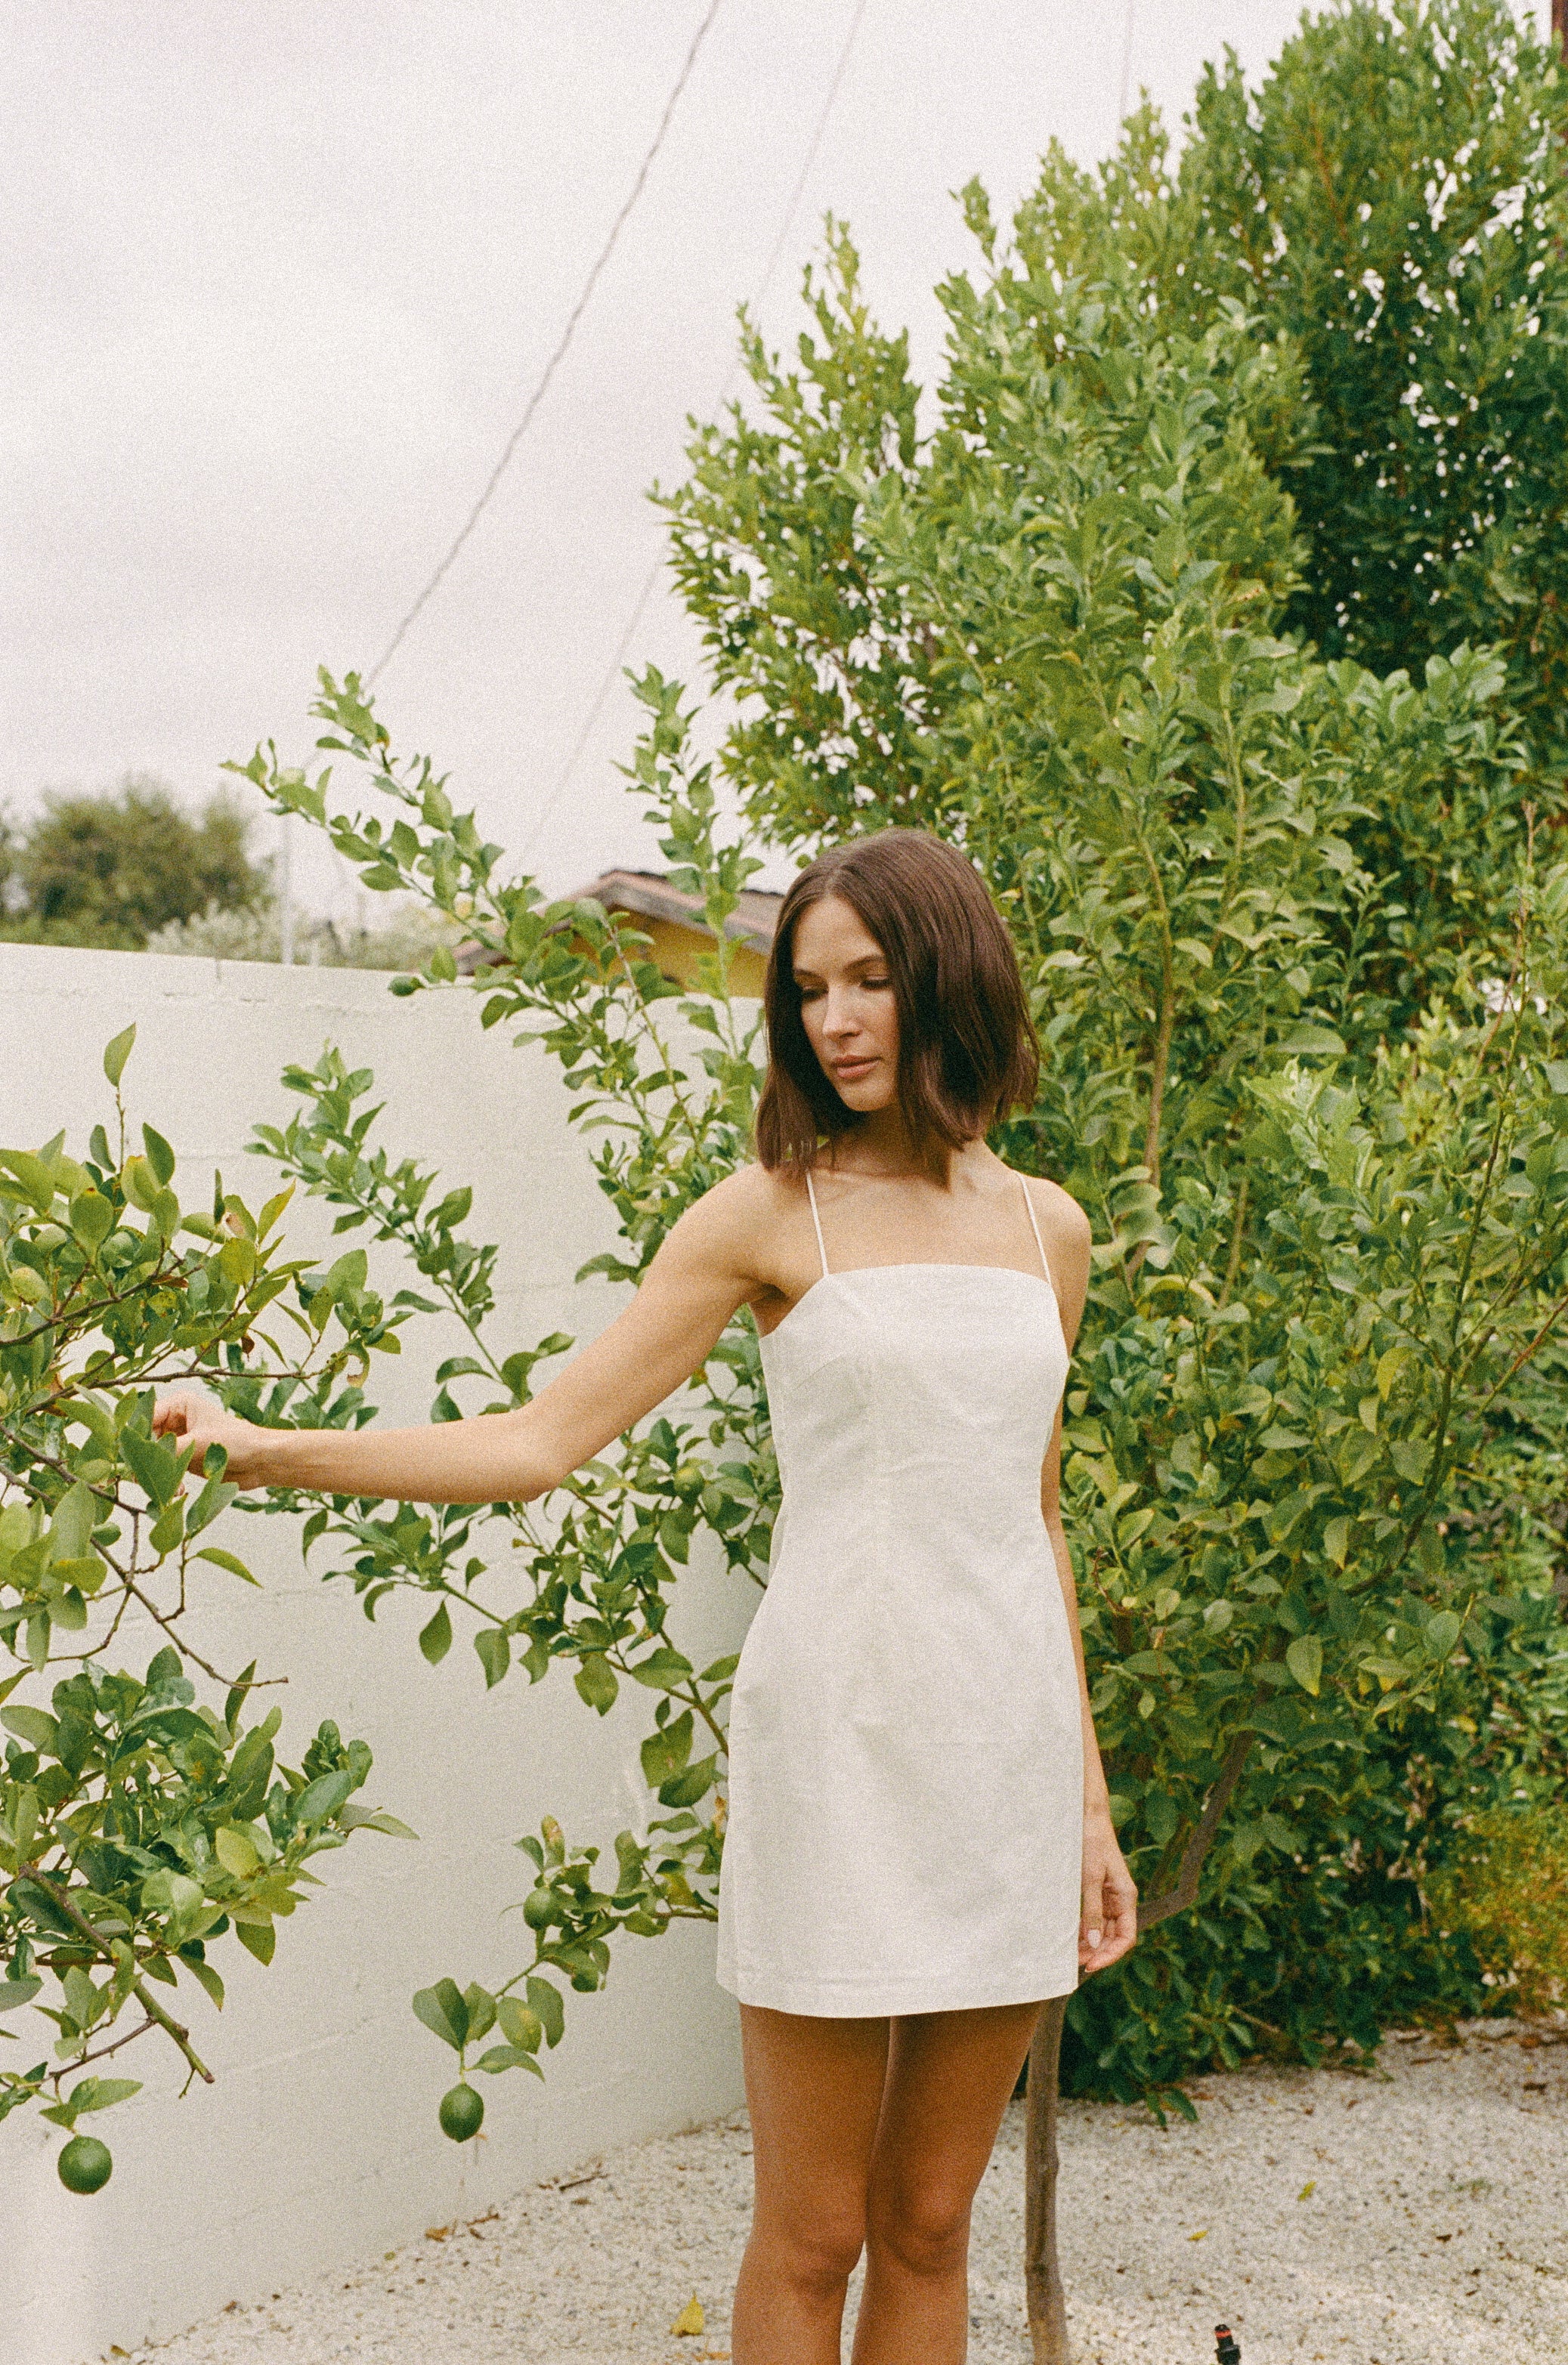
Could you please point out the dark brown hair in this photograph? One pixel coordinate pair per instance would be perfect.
(967, 1048)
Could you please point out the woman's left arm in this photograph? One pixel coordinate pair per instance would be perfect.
(1109, 1926)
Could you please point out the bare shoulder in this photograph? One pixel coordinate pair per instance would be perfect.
(735, 1225)
(1062, 1218)
(1066, 1234)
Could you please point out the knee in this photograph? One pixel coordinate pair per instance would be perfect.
(926, 2227)
(815, 2257)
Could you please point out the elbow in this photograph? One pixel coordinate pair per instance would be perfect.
(534, 1464)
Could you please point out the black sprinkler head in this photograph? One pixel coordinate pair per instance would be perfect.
(1227, 2349)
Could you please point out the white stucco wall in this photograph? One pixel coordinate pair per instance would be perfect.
(319, 2143)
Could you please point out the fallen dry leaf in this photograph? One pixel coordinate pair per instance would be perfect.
(690, 2319)
(1307, 2191)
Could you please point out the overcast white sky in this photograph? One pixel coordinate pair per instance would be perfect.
(283, 273)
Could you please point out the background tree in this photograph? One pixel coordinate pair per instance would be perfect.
(101, 870)
(1296, 1443)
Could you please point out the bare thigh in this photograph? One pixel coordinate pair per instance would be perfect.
(815, 2090)
(891, 2119)
(950, 2076)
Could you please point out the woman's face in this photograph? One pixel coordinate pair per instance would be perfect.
(847, 1005)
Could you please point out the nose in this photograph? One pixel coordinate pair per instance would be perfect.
(840, 1020)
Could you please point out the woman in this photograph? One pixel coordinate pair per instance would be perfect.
(919, 1848)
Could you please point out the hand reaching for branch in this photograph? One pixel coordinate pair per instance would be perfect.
(200, 1420)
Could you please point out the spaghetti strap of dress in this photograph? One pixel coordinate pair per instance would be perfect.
(817, 1221)
(1035, 1228)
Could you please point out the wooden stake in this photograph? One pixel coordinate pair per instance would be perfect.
(1042, 2274)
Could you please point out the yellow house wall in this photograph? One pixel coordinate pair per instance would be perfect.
(678, 951)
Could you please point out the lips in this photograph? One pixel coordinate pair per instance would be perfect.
(849, 1071)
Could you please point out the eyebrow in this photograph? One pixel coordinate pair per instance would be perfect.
(863, 960)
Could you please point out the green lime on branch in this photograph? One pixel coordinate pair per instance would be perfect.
(85, 2165)
(462, 2113)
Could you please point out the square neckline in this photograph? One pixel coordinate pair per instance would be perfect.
(1041, 1280)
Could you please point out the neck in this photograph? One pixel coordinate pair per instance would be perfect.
(879, 1142)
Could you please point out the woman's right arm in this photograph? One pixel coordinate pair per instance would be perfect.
(702, 1274)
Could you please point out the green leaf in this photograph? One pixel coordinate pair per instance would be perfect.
(15, 1992)
(160, 1157)
(480, 2006)
(100, 2093)
(1303, 1657)
(215, 1497)
(596, 1683)
(545, 2000)
(153, 1467)
(91, 1218)
(363, 1819)
(33, 1725)
(234, 1705)
(235, 1852)
(258, 1938)
(661, 1670)
(685, 1789)
(226, 1560)
(667, 1753)
(1313, 1039)
(320, 1800)
(116, 1053)
(71, 1530)
(520, 2023)
(435, 1640)
(443, 2012)
(33, 1175)
(204, 1976)
(1442, 1632)
(494, 1647)
(168, 1529)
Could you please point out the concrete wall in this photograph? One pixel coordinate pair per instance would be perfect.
(319, 2143)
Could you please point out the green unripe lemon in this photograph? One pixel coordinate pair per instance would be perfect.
(85, 2165)
(461, 2113)
(538, 1907)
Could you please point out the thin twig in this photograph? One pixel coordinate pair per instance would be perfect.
(149, 2002)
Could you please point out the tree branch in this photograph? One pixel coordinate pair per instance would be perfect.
(150, 2003)
(1185, 1892)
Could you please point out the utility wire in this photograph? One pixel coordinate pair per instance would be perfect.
(613, 670)
(537, 397)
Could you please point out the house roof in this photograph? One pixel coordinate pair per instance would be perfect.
(649, 894)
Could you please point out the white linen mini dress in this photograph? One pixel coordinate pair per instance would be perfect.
(905, 1822)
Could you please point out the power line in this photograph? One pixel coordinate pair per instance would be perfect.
(537, 397)
(612, 672)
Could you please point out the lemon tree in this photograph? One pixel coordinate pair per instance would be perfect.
(146, 1823)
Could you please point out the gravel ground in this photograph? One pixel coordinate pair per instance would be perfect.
(1412, 2214)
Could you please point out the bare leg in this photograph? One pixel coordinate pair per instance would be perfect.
(948, 2080)
(815, 2088)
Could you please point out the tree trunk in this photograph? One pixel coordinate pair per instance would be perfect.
(1042, 2269)
(1559, 25)
(1042, 2274)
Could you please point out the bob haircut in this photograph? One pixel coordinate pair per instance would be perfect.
(967, 1048)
